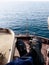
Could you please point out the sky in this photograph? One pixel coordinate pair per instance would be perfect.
(20, 0)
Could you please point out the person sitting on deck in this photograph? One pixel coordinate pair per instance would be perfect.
(31, 58)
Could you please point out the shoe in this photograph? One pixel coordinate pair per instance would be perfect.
(35, 50)
(21, 47)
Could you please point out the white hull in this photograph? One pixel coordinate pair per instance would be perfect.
(7, 45)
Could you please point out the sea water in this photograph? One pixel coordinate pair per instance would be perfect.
(24, 17)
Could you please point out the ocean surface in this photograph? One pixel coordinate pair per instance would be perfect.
(24, 17)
